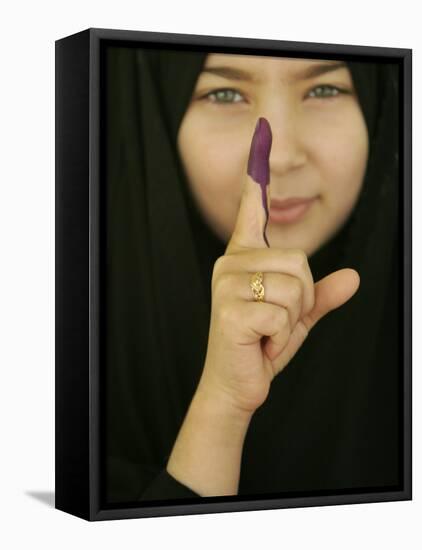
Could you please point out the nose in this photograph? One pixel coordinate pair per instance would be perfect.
(288, 150)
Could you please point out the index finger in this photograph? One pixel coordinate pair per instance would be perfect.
(252, 218)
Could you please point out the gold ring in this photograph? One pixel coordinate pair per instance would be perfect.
(257, 286)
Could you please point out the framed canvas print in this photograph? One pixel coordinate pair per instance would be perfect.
(233, 274)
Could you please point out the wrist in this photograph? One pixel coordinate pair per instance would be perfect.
(217, 401)
(207, 453)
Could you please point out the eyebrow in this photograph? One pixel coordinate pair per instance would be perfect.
(310, 72)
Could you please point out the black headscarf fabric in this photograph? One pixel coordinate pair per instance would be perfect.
(331, 420)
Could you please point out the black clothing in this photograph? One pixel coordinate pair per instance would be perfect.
(331, 420)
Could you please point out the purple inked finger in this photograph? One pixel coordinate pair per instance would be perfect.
(258, 163)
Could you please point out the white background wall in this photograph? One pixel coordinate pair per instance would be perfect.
(27, 517)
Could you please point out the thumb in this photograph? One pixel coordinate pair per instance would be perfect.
(252, 217)
(332, 292)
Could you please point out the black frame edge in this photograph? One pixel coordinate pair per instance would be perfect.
(208, 507)
(72, 421)
(407, 271)
(212, 41)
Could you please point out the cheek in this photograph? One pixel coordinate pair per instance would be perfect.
(343, 155)
(214, 164)
(213, 167)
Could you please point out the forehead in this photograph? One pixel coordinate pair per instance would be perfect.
(260, 67)
(242, 59)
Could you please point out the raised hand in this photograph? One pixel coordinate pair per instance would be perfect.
(250, 341)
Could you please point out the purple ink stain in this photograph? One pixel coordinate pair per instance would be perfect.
(258, 163)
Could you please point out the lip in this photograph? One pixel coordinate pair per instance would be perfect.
(290, 210)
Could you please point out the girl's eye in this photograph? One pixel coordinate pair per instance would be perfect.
(223, 95)
(315, 92)
(229, 96)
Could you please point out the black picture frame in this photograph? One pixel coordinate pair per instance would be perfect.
(78, 269)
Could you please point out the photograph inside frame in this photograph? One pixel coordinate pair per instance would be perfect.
(250, 276)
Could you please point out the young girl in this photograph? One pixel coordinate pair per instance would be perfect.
(251, 282)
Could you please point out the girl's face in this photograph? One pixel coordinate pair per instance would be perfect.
(319, 147)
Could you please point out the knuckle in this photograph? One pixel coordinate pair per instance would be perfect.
(302, 259)
(281, 317)
(223, 283)
(299, 258)
(295, 290)
(218, 266)
(227, 315)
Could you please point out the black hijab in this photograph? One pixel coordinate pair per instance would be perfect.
(331, 420)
